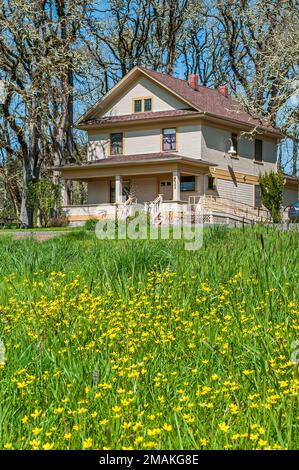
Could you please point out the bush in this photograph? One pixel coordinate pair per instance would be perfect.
(272, 191)
(90, 225)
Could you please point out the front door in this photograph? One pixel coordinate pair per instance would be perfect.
(165, 188)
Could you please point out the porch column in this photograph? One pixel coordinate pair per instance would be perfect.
(203, 185)
(118, 189)
(176, 183)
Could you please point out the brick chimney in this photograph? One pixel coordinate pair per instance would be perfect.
(193, 81)
(223, 90)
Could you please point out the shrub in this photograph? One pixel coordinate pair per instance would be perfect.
(90, 225)
(272, 189)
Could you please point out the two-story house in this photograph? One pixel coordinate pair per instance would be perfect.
(153, 134)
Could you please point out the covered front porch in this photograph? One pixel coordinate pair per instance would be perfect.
(112, 185)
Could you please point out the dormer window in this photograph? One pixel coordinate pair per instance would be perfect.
(137, 106)
(147, 104)
(142, 105)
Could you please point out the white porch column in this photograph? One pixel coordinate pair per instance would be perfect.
(118, 189)
(203, 185)
(176, 183)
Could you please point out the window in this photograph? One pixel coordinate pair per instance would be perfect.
(257, 196)
(211, 183)
(142, 105)
(116, 143)
(169, 139)
(235, 142)
(187, 183)
(147, 104)
(137, 106)
(258, 150)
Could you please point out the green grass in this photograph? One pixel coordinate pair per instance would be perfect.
(39, 229)
(141, 344)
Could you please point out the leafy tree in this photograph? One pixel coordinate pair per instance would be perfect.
(272, 191)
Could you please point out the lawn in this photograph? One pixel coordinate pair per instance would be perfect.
(143, 345)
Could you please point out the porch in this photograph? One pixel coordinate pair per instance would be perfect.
(108, 198)
(116, 184)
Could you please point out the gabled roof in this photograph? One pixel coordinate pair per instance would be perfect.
(209, 102)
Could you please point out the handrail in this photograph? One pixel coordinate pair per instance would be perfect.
(158, 199)
(210, 197)
(155, 207)
(229, 205)
(130, 200)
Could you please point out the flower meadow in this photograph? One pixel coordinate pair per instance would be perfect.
(140, 345)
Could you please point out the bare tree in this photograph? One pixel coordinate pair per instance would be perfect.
(37, 62)
(261, 40)
(169, 18)
(119, 38)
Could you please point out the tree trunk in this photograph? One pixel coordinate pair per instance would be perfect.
(26, 215)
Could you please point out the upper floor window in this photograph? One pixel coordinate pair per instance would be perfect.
(142, 105)
(116, 143)
(187, 183)
(137, 106)
(147, 104)
(235, 142)
(258, 150)
(169, 139)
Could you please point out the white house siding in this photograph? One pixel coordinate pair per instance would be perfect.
(144, 87)
(98, 192)
(189, 140)
(146, 141)
(290, 196)
(142, 141)
(215, 143)
(240, 192)
(98, 145)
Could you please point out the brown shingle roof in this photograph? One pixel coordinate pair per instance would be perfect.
(139, 116)
(142, 158)
(209, 100)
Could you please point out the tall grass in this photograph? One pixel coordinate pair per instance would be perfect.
(143, 344)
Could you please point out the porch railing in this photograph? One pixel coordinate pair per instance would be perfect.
(229, 206)
(125, 208)
(155, 208)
